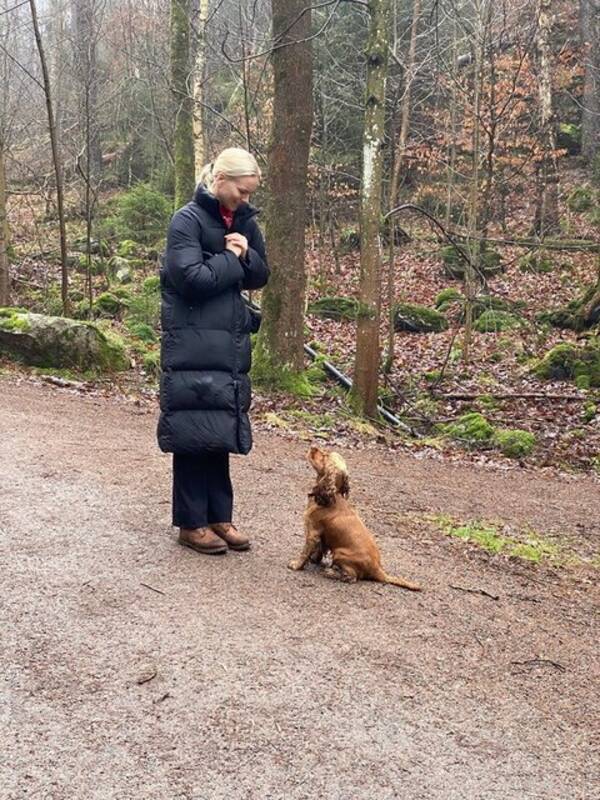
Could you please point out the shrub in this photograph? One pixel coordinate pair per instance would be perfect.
(142, 214)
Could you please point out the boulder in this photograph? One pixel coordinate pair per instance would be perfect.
(335, 308)
(413, 318)
(571, 362)
(59, 342)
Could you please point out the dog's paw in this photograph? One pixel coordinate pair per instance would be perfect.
(296, 564)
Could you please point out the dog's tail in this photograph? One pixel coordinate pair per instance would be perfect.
(402, 582)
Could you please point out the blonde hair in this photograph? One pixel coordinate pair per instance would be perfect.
(234, 162)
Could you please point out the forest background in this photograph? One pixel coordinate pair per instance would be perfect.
(432, 175)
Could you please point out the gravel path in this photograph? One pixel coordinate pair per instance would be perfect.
(138, 670)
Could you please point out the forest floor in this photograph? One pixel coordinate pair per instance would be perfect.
(133, 668)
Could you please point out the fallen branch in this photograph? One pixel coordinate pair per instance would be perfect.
(521, 396)
(147, 586)
(534, 662)
(476, 591)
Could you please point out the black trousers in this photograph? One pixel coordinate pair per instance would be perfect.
(202, 490)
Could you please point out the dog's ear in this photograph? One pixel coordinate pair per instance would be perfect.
(324, 489)
(345, 487)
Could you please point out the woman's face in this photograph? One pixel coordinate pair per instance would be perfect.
(232, 192)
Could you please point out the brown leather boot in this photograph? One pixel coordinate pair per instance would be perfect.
(204, 540)
(230, 534)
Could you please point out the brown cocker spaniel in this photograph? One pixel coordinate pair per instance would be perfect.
(331, 524)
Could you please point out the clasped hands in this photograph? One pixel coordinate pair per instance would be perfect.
(237, 243)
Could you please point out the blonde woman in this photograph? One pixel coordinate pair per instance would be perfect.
(214, 250)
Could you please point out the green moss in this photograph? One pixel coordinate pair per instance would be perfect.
(141, 331)
(108, 304)
(349, 240)
(127, 248)
(471, 428)
(562, 318)
(536, 263)
(335, 308)
(581, 199)
(18, 321)
(590, 410)
(568, 362)
(151, 362)
(583, 382)
(495, 321)
(418, 319)
(489, 536)
(514, 443)
(9, 311)
(112, 356)
(446, 297)
(151, 285)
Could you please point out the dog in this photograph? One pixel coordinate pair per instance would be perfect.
(331, 524)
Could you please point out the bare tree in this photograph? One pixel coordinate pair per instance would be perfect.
(590, 38)
(546, 215)
(55, 159)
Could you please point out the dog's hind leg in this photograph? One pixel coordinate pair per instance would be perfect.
(341, 572)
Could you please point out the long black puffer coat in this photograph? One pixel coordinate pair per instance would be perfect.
(206, 326)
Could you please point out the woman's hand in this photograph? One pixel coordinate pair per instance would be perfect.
(237, 243)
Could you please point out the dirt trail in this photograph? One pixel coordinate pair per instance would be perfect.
(235, 678)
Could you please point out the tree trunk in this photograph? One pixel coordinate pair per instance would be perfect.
(366, 368)
(181, 11)
(280, 346)
(590, 40)
(546, 216)
(200, 154)
(86, 36)
(4, 264)
(398, 161)
(56, 161)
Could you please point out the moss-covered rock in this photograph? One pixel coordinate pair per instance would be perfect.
(513, 442)
(569, 138)
(581, 199)
(447, 297)
(335, 308)
(568, 361)
(59, 342)
(349, 240)
(471, 428)
(579, 314)
(414, 318)
(108, 304)
(536, 263)
(490, 262)
(127, 248)
(494, 321)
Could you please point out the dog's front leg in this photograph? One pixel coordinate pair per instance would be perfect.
(312, 542)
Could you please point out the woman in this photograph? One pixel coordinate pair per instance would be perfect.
(214, 250)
